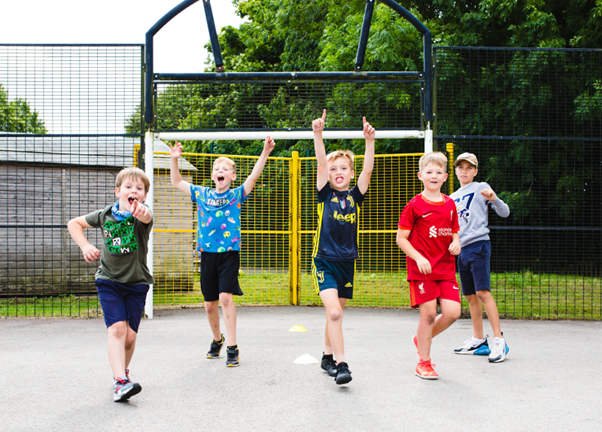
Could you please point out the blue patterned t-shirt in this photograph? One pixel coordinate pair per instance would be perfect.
(218, 218)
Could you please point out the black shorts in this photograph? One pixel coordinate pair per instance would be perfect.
(333, 274)
(219, 274)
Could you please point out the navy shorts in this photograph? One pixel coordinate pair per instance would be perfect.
(333, 274)
(121, 302)
(474, 268)
(219, 274)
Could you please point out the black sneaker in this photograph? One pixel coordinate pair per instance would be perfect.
(329, 365)
(124, 389)
(215, 348)
(232, 360)
(343, 373)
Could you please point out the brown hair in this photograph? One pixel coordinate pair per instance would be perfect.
(134, 173)
(437, 158)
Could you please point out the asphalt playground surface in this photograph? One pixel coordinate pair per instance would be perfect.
(55, 376)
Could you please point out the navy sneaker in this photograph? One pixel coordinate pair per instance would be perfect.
(124, 389)
(215, 348)
(471, 348)
(329, 365)
(343, 374)
(232, 360)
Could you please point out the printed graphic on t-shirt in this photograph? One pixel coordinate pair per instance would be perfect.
(463, 206)
(119, 237)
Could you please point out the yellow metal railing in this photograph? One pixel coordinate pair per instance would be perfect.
(278, 224)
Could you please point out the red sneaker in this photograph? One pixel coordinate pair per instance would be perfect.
(424, 369)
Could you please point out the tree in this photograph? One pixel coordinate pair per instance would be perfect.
(17, 116)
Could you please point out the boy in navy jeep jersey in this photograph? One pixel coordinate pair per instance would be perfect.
(335, 243)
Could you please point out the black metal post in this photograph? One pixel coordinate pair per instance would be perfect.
(361, 49)
(217, 53)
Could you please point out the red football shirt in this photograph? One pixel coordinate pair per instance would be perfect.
(431, 225)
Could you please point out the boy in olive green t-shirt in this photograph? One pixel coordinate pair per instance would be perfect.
(123, 278)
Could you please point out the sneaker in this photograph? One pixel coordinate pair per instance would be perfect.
(329, 365)
(215, 348)
(415, 340)
(499, 351)
(127, 374)
(343, 375)
(232, 360)
(424, 369)
(124, 389)
(469, 347)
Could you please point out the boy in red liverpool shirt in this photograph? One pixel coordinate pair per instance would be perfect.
(428, 235)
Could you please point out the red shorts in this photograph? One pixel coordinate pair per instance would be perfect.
(422, 291)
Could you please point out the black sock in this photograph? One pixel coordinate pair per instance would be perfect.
(232, 347)
(327, 356)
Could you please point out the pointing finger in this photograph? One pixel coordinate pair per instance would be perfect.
(324, 115)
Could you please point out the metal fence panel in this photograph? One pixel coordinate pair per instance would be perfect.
(63, 110)
(533, 117)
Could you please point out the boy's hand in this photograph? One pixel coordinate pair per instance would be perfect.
(424, 266)
(176, 150)
(318, 124)
(268, 145)
(90, 253)
(139, 210)
(369, 131)
(454, 248)
(489, 194)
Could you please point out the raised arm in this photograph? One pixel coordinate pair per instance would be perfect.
(322, 175)
(176, 178)
(268, 146)
(76, 229)
(364, 180)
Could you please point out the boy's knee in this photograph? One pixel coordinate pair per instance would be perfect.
(210, 306)
(130, 339)
(335, 314)
(484, 295)
(118, 330)
(226, 300)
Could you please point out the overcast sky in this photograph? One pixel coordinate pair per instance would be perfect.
(178, 46)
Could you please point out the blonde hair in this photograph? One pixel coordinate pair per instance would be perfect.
(229, 161)
(133, 173)
(338, 154)
(437, 158)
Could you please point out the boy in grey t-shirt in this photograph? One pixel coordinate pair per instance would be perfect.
(472, 203)
(123, 278)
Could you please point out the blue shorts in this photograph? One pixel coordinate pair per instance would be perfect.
(121, 302)
(474, 268)
(333, 274)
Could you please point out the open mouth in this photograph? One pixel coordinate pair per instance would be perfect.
(131, 200)
(220, 178)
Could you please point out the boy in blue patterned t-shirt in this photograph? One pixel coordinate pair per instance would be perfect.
(218, 240)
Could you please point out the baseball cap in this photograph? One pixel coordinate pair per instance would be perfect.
(469, 157)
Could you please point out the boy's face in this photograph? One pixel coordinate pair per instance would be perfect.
(222, 176)
(432, 176)
(466, 172)
(340, 174)
(132, 189)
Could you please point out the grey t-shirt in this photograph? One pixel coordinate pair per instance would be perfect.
(473, 212)
(123, 253)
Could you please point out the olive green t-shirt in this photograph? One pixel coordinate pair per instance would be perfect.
(123, 253)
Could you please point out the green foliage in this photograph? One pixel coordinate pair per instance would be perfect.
(17, 116)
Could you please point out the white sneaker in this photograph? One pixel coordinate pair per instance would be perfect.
(499, 350)
(472, 346)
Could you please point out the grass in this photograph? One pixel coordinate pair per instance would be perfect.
(522, 295)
